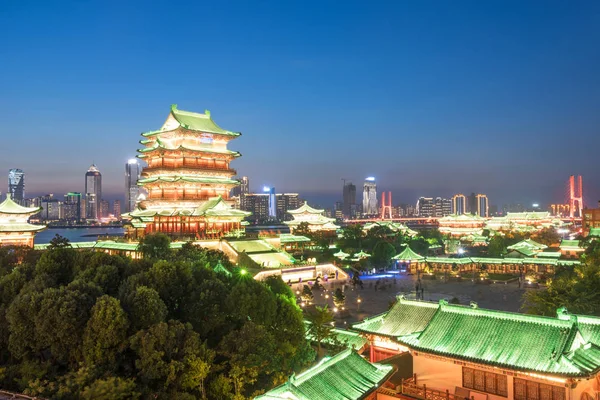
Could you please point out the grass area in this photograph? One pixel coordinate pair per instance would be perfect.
(502, 277)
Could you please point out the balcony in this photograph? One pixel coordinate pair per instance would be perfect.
(411, 390)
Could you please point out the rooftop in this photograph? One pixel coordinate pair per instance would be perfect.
(194, 121)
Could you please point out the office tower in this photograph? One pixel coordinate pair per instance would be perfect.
(72, 207)
(16, 185)
(472, 204)
(370, 197)
(438, 209)
(286, 202)
(459, 204)
(425, 207)
(51, 208)
(272, 202)
(349, 200)
(93, 193)
(258, 206)
(482, 205)
(104, 208)
(244, 185)
(117, 209)
(446, 207)
(133, 172)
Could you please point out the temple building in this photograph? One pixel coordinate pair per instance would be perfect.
(344, 376)
(315, 219)
(188, 180)
(523, 221)
(460, 352)
(14, 228)
(461, 225)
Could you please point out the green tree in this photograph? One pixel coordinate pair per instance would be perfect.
(339, 298)
(145, 308)
(382, 254)
(352, 237)
(496, 246)
(279, 287)
(251, 300)
(113, 388)
(303, 230)
(156, 246)
(320, 328)
(547, 236)
(105, 335)
(197, 369)
(58, 242)
(307, 294)
(173, 282)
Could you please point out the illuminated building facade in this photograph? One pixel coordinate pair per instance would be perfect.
(51, 208)
(188, 180)
(591, 220)
(482, 205)
(133, 171)
(117, 209)
(459, 204)
(425, 207)
(559, 210)
(523, 221)
(16, 185)
(93, 193)
(452, 358)
(315, 219)
(461, 225)
(15, 230)
(72, 207)
(369, 202)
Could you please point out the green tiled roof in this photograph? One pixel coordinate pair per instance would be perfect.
(288, 238)
(449, 260)
(159, 145)
(571, 245)
(220, 269)
(305, 208)
(595, 232)
(21, 227)
(214, 207)
(408, 255)
(404, 318)
(528, 244)
(8, 206)
(345, 376)
(509, 340)
(549, 254)
(196, 122)
(187, 179)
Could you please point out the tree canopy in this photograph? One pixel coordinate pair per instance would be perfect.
(83, 325)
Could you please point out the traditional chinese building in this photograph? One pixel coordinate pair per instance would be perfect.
(14, 228)
(461, 225)
(524, 221)
(315, 219)
(188, 180)
(344, 376)
(463, 352)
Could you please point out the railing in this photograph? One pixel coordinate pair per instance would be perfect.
(422, 392)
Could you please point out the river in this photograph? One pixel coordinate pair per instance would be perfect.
(78, 234)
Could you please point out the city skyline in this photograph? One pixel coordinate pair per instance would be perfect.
(430, 94)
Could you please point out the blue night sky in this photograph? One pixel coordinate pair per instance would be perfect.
(430, 97)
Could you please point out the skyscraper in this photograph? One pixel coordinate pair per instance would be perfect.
(370, 197)
(472, 204)
(244, 185)
(349, 200)
(425, 207)
(482, 205)
(117, 209)
(132, 190)
(93, 193)
(104, 208)
(16, 185)
(459, 204)
(72, 207)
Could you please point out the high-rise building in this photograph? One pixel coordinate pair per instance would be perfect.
(104, 208)
(482, 205)
(16, 185)
(72, 207)
(425, 207)
(370, 197)
(349, 200)
(472, 204)
(117, 209)
(133, 172)
(93, 193)
(257, 204)
(272, 202)
(244, 185)
(459, 204)
(286, 202)
(51, 208)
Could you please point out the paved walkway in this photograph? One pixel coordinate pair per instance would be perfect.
(499, 296)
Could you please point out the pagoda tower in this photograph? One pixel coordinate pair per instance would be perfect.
(14, 228)
(188, 180)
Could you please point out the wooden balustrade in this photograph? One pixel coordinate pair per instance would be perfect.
(409, 388)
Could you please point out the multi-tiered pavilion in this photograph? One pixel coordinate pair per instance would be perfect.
(188, 180)
(15, 230)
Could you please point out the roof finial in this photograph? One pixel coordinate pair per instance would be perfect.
(207, 113)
